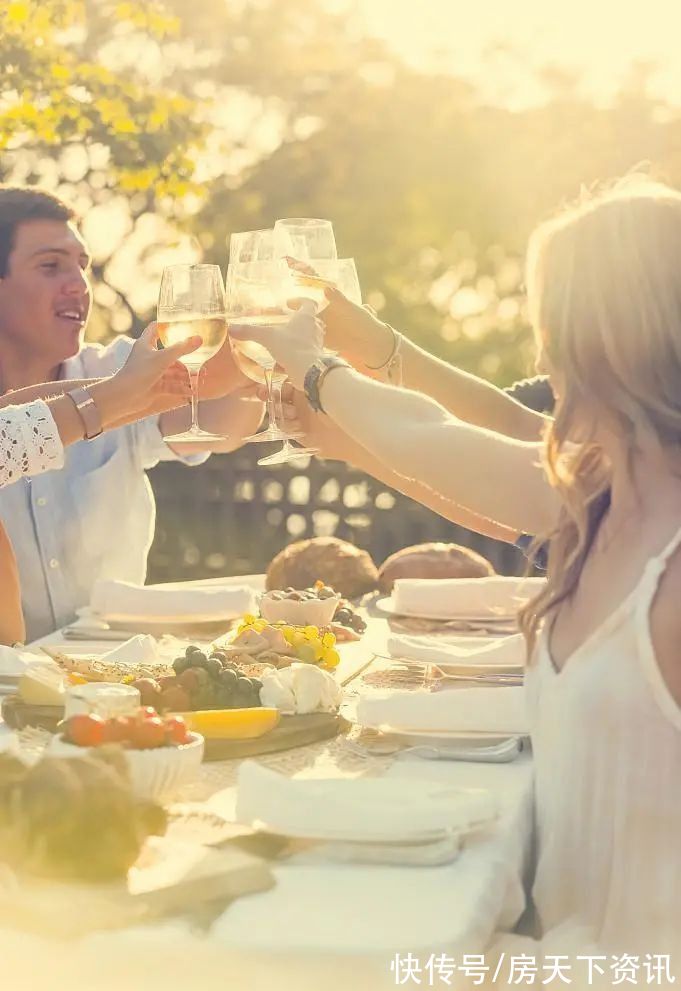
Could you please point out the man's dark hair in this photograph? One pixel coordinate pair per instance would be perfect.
(19, 204)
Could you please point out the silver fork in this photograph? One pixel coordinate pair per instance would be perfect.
(496, 753)
(435, 672)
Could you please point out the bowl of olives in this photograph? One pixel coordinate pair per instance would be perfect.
(313, 606)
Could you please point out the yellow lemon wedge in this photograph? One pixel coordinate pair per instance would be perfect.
(232, 724)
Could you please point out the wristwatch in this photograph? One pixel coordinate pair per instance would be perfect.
(88, 411)
(316, 374)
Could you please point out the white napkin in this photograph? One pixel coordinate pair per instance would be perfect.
(13, 663)
(355, 808)
(507, 652)
(140, 649)
(480, 709)
(462, 598)
(114, 599)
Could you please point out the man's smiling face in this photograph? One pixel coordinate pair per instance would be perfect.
(45, 292)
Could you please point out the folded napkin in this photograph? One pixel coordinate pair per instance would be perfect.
(140, 649)
(13, 663)
(507, 652)
(124, 600)
(355, 808)
(463, 598)
(480, 709)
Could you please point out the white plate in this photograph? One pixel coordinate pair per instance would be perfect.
(481, 737)
(387, 607)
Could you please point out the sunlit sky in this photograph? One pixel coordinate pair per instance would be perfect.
(599, 38)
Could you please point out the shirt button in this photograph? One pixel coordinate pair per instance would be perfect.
(42, 501)
(54, 563)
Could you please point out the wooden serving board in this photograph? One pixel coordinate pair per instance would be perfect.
(292, 731)
(169, 879)
(19, 714)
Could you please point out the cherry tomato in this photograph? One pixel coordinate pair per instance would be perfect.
(147, 712)
(85, 730)
(148, 733)
(176, 730)
(117, 729)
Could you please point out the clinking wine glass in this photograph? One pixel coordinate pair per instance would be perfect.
(257, 295)
(191, 301)
(304, 237)
(313, 276)
(259, 246)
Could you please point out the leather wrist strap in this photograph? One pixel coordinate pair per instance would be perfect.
(88, 412)
(315, 376)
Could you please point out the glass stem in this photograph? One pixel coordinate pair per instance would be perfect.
(271, 406)
(194, 381)
(278, 405)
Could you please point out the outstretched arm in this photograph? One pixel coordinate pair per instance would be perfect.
(322, 433)
(366, 342)
(491, 475)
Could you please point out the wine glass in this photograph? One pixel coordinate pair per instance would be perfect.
(259, 246)
(257, 295)
(304, 237)
(312, 277)
(191, 300)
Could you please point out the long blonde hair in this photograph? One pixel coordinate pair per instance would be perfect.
(604, 292)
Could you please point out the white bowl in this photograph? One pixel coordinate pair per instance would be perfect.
(157, 774)
(307, 612)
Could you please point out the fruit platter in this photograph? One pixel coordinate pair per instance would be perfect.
(267, 687)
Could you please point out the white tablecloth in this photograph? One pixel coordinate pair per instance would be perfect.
(338, 925)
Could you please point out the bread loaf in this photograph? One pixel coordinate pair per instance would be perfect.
(344, 567)
(433, 561)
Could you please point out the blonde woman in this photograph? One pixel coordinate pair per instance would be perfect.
(38, 422)
(604, 675)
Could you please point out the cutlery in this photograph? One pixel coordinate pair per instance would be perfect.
(497, 753)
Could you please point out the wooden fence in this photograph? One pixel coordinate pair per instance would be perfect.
(231, 517)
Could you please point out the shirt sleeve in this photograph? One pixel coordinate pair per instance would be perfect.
(145, 435)
(535, 393)
(29, 441)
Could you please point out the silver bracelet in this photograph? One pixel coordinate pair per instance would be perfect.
(393, 363)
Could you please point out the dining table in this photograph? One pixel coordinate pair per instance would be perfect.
(338, 925)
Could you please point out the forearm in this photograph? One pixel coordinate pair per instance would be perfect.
(360, 458)
(466, 396)
(12, 628)
(45, 390)
(492, 476)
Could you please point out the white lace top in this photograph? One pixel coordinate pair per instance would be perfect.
(606, 734)
(29, 441)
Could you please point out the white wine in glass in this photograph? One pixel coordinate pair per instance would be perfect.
(211, 330)
(191, 302)
(257, 296)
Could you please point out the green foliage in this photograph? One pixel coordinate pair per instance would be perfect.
(59, 89)
(221, 115)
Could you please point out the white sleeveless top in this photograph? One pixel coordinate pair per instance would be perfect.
(606, 734)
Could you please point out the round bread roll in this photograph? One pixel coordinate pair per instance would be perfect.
(433, 561)
(344, 567)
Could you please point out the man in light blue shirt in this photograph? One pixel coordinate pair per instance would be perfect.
(94, 518)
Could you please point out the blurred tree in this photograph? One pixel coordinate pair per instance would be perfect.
(170, 124)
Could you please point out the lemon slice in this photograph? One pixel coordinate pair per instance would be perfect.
(232, 724)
